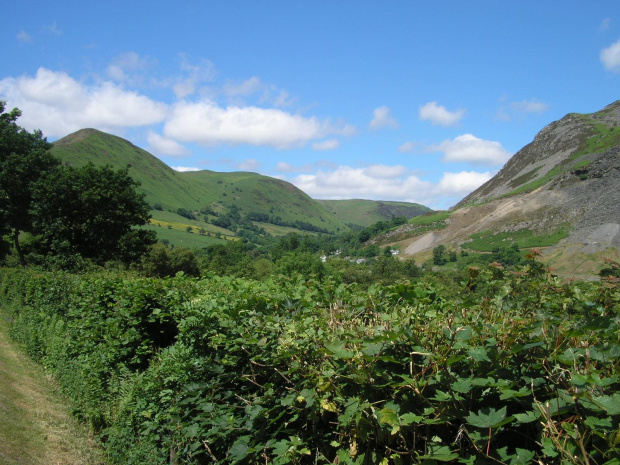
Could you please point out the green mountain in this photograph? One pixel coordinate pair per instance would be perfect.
(208, 196)
(367, 212)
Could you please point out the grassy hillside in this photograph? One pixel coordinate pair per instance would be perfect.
(272, 200)
(253, 196)
(159, 182)
(367, 212)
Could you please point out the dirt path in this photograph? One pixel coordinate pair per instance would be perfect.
(35, 424)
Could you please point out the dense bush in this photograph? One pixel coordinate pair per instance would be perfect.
(508, 368)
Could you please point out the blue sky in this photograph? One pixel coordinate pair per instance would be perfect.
(397, 100)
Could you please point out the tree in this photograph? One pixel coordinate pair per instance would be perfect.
(439, 255)
(90, 211)
(25, 159)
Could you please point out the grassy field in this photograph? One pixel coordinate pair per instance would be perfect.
(35, 424)
(181, 237)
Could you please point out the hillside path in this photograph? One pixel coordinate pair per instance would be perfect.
(35, 424)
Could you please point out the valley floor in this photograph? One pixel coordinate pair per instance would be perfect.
(35, 423)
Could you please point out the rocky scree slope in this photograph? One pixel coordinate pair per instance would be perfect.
(568, 177)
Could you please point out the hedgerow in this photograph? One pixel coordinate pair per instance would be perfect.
(514, 368)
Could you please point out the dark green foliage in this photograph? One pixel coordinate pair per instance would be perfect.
(439, 255)
(24, 159)
(231, 259)
(90, 211)
(184, 212)
(612, 269)
(162, 261)
(303, 263)
(506, 368)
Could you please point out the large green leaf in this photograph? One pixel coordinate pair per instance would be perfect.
(610, 403)
(487, 418)
(337, 348)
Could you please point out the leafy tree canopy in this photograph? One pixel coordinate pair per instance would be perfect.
(25, 158)
(90, 211)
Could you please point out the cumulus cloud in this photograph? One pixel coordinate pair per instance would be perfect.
(461, 184)
(530, 106)
(610, 57)
(373, 182)
(329, 144)
(384, 182)
(23, 36)
(160, 145)
(382, 118)
(184, 168)
(249, 165)
(209, 124)
(58, 104)
(439, 115)
(471, 149)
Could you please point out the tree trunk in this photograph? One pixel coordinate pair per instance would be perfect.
(18, 249)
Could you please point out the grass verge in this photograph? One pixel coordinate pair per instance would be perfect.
(35, 424)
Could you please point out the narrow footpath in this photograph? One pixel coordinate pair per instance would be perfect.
(35, 424)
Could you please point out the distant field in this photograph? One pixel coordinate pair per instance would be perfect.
(184, 238)
(166, 218)
(276, 230)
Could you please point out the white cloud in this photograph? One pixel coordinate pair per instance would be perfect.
(439, 115)
(247, 87)
(386, 171)
(124, 67)
(461, 184)
(530, 106)
(249, 165)
(329, 144)
(373, 182)
(285, 167)
(58, 104)
(184, 168)
(384, 182)
(23, 36)
(163, 146)
(382, 118)
(471, 149)
(408, 147)
(266, 94)
(195, 74)
(610, 57)
(279, 97)
(208, 124)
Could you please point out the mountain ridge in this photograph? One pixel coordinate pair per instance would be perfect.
(209, 195)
